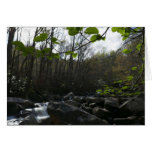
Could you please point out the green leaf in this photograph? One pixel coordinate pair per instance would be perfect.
(120, 30)
(137, 29)
(136, 85)
(46, 50)
(119, 81)
(126, 51)
(125, 87)
(93, 38)
(68, 52)
(112, 90)
(134, 68)
(137, 93)
(97, 37)
(91, 30)
(29, 50)
(79, 28)
(39, 53)
(103, 38)
(114, 29)
(124, 38)
(41, 37)
(54, 40)
(73, 30)
(24, 53)
(128, 30)
(50, 57)
(124, 31)
(141, 68)
(130, 77)
(99, 91)
(138, 47)
(53, 55)
(19, 45)
(74, 55)
(119, 91)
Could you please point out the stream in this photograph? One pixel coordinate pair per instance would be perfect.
(39, 113)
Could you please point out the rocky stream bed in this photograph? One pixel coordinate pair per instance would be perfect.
(77, 110)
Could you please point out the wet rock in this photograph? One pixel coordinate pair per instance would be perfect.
(133, 120)
(29, 120)
(62, 113)
(25, 112)
(56, 97)
(87, 109)
(111, 104)
(47, 121)
(84, 104)
(13, 109)
(14, 105)
(101, 113)
(73, 103)
(69, 96)
(92, 105)
(134, 106)
(98, 100)
(79, 99)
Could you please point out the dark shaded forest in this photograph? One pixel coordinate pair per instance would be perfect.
(55, 61)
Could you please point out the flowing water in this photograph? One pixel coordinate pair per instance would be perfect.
(39, 113)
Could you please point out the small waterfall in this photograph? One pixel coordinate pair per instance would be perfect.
(13, 121)
(39, 112)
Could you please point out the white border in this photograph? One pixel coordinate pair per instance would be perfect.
(74, 138)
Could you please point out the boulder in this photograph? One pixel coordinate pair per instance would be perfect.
(134, 106)
(25, 112)
(87, 109)
(101, 112)
(69, 96)
(14, 105)
(92, 105)
(56, 97)
(73, 103)
(47, 121)
(13, 108)
(79, 99)
(133, 120)
(63, 114)
(98, 100)
(29, 120)
(112, 104)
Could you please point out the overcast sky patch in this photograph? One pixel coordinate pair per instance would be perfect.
(112, 43)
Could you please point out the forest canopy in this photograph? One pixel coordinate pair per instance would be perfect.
(56, 60)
